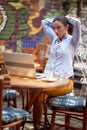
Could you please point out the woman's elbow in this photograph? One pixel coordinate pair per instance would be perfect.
(43, 22)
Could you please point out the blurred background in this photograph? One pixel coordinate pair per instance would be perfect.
(20, 21)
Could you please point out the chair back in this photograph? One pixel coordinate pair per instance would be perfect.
(40, 51)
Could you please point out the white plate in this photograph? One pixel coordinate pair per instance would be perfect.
(40, 75)
(49, 79)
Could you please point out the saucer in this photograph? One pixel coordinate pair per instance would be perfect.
(49, 79)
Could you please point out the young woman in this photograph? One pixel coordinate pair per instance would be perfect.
(62, 52)
(63, 45)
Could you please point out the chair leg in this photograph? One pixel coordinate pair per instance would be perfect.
(14, 104)
(18, 127)
(85, 118)
(53, 120)
(46, 113)
(67, 121)
(85, 122)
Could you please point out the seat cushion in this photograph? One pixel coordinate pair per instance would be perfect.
(9, 93)
(10, 114)
(66, 102)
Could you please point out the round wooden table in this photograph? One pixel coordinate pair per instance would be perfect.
(23, 83)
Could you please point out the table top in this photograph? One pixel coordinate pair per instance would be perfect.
(32, 83)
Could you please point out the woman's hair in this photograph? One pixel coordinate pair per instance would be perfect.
(64, 20)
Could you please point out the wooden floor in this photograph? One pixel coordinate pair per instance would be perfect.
(59, 119)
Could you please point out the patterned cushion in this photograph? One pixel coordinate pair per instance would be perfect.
(9, 93)
(66, 102)
(10, 114)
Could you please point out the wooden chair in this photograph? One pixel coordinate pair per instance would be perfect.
(10, 116)
(10, 95)
(40, 55)
(69, 107)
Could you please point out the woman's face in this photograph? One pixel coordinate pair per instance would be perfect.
(60, 30)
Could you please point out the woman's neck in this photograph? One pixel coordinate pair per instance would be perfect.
(63, 37)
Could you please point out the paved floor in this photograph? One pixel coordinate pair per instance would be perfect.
(59, 119)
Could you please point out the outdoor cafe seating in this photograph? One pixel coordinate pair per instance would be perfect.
(69, 107)
(10, 116)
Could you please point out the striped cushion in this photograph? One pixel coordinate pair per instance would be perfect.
(66, 102)
(10, 114)
(9, 93)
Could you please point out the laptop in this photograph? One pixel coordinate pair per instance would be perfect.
(20, 64)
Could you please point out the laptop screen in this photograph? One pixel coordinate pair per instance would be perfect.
(19, 64)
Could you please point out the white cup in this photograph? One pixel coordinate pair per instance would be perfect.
(49, 74)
